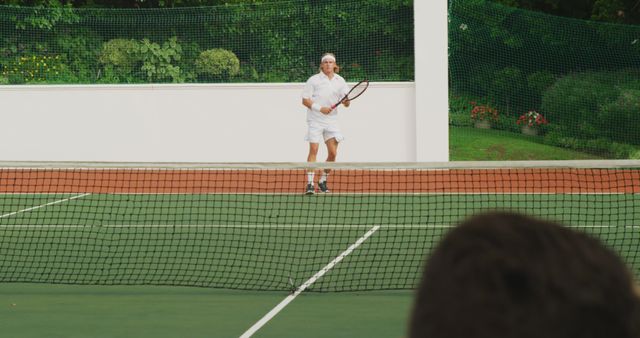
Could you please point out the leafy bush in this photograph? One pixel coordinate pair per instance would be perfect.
(622, 150)
(158, 61)
(460, 120)
(598, 146)
(55, 13)
(121, 54)
(110, 74)
(81, 50)
(133, 61)
(473, 80)
(635, 154)
(190, 52)
(574, 101)
(217, 64)
(538, 82)
(507, 124)
(461, 104)
(622, 117)
(247, 74)
(507, 89)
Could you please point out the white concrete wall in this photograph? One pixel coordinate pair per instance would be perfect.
(196, 123)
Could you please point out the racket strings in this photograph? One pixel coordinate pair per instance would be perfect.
(357, 90)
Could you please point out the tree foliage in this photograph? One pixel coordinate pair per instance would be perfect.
(617, 11)
(273, 41)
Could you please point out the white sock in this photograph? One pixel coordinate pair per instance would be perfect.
(310, 177)
(324, 177)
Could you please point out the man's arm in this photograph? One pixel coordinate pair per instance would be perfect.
(313, 106)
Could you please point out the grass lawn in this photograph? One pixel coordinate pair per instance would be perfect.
(472, 144)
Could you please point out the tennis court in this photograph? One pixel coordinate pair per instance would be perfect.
(154, 251)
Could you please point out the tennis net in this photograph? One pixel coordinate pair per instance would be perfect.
(250, 226)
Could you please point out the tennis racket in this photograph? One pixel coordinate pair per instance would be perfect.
(356, 91)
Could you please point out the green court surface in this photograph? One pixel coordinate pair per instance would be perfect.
(74, 311)
(134, 259)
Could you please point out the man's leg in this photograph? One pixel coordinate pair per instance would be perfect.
(332, 150)
(313, 153)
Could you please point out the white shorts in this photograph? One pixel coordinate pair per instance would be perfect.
(317, 132)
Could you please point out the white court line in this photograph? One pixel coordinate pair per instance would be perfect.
(306, 284)
(44, 205)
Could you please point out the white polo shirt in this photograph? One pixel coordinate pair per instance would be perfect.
(326, 92)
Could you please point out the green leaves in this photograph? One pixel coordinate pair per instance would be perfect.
(217, 64)
(273, 41)
(597, 104)
(158, 61)
(122, 53)
(47, 15)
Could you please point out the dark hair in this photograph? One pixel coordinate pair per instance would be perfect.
(507, 275)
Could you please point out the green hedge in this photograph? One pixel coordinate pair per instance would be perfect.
(596, 105)
(273, 42)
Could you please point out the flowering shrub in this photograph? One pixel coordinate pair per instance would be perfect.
(483, 112)
(33, 68)
(532, 119)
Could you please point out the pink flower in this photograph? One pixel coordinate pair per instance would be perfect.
(532, 118)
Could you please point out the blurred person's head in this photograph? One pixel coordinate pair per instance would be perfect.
(502, 275)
